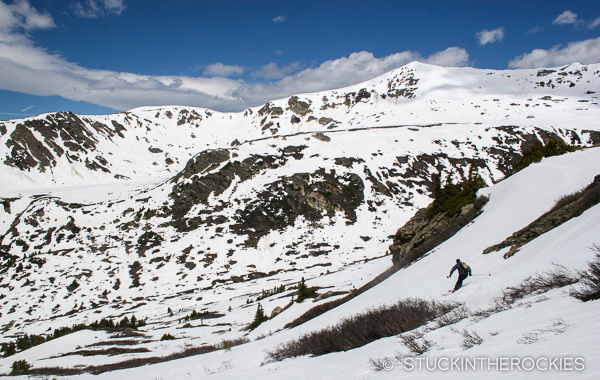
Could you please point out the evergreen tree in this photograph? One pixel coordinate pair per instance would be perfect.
(259, 318)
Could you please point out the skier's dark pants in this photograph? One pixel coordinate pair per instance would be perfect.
(461, 277)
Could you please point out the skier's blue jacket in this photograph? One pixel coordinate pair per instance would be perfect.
(461, 269)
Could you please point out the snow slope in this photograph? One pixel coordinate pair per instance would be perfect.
(87, 215)
(514, 203)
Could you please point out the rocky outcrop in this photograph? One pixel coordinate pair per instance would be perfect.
(39, 142)
(310, 195)
(298, 107)
(565, 209)
(419, 235)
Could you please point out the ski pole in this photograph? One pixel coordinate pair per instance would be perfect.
(485, 274)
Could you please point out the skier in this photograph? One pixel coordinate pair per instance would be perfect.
(463, 272)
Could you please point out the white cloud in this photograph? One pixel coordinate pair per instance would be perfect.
(21, 16)
(565, 18)
(587, 51)
(98, 8)
(453, 56)
(594, 24)
(342, 72)
(220, 70)
(538, 28)
(30, 69)
(279, 19)
(490, 36)
(273, 71)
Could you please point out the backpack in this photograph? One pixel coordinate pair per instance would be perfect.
(465, 266)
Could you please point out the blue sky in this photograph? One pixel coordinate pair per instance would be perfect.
(103, 56)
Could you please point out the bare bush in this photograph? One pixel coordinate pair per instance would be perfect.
(360, 329)
(497, 306)
(381, 364)
(558, 326)
(416, 343)
(454, 316)
(540, 283)
(589, 287)
(470, 338)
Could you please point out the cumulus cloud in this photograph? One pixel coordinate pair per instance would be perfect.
(453, 56)
(30, 69)
(273, 71)
(485, 36)
(279, 19)
(220, 70)
(345, 71)
(98, 8)
(587, 51)
(21, 15)
(566, 18)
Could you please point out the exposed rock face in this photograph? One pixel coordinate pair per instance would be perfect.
(269, 109)
(298, 107)
(418, 231)
(308, 194)
(276, 310)
(63, 133)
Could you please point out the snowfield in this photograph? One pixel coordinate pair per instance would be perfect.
(513, 204)
(417, 121)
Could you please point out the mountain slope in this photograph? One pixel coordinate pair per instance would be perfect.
(309, 186)
(513, 204)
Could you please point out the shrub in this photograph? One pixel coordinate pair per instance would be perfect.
(454, 316)
(226, 345)
(381, 364)
(8, 349)
(470, 338)
(554, 147)
(133, 363)
(305, 292)
(589, 287)
(540, 283)
(416, 343)
(361, 329)
(259, 318)
(167, 337)
(453, 197)
(19, 366)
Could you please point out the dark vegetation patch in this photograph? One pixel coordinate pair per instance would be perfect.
(539, 283)
(269, 293)
(27, 341)
(304, 292)
(451, 198)
(132, 363)
(589, 286)
(134, 272)
(361, 329)
(259, 317)
(109, 351)
(553, 147)
(202, 315)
